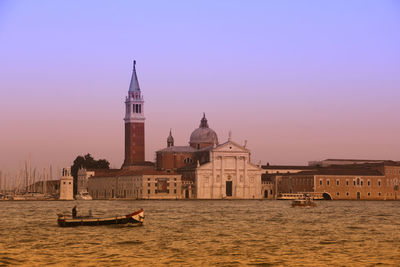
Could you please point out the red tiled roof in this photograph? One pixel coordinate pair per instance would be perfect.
(127, 172)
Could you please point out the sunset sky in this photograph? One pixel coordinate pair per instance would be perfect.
(300, 80)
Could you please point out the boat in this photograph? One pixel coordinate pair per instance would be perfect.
(135, 218)
(83, 195)
(306, 201)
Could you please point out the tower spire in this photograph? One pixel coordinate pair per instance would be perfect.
(170, 139)
(134, 86)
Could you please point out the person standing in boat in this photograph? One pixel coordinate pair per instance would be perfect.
(74, 212)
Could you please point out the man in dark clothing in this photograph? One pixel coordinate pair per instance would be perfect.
(74, 212)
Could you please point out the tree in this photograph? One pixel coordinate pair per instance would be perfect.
(87, 162)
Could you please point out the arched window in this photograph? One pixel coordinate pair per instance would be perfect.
(188, 160)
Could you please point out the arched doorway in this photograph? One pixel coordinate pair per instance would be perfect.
(266, 194)
(228, 188)
(326, 196)
(187, 193)
(358, 195)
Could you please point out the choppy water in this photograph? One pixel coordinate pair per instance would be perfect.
(225, 233)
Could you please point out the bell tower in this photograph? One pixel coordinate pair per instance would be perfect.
(134, 123)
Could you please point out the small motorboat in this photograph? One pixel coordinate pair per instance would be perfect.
(135, 218)
(304, 202)
(83, 195)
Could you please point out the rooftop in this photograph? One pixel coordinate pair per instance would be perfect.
(128, 172)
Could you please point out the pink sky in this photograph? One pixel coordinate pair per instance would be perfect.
(299, 80)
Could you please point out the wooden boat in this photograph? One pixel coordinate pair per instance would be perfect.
(303, 202)
(135, 218)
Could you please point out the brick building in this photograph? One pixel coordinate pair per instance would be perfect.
(362, 181)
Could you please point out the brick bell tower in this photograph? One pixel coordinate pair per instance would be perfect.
(134, 123)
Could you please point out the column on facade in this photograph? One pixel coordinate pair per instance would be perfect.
(222, 185)
(237, 186)
(213, 176)
(246, 180)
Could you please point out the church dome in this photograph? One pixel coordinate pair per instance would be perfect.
(203, 136)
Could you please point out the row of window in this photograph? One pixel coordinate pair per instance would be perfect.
(393, 171)
(157, 191)
(118, 193)
(148, 179)
(357, 182)
(369, 194)
(149, 184)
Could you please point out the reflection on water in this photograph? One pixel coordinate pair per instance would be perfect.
(204, 233)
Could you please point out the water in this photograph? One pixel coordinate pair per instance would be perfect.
(217, 233)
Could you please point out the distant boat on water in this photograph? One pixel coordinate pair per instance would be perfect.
(83, 195)
(304, 201)
(31, 196)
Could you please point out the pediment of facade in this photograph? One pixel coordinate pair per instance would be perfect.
(230, 146)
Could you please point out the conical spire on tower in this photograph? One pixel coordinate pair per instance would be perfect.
(134, 86)
(170, 139)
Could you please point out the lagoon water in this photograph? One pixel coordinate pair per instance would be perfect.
(207, 233)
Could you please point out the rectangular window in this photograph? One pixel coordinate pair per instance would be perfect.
(174, 191)
(148, 191)
(320, 182)
(148, 184)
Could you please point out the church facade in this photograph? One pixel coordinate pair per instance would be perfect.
(228, 174)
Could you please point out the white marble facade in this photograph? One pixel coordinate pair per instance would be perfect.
(229, 174)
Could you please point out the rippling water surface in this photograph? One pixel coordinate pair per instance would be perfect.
(226, 233)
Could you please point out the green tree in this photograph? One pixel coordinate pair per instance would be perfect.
(87, 162)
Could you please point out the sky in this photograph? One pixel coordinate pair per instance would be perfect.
(299, 80)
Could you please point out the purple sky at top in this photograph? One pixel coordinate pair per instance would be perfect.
(300, 80)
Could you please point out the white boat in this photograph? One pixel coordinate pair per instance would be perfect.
(305, 201)
(83, 195)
